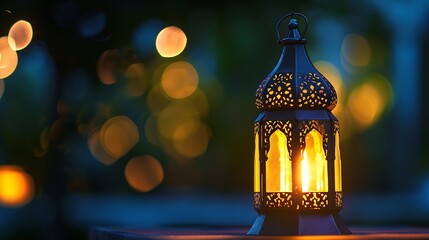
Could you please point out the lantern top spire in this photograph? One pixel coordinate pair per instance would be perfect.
(295, 83)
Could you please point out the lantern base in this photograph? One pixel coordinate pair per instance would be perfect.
(277, 224)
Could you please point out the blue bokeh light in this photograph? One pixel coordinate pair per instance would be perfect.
(145, 36)
(92, 24)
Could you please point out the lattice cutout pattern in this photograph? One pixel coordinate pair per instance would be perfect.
(314, 200)
(306, 127)
(278, 200)
(259, 99)
(338, 199)
(336, 126)
(256, 128)
(257, 200)
(314, 91)
(270, 127)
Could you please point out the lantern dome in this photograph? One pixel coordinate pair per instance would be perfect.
(295, 83)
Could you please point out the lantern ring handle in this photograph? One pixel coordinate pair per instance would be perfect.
(291, 16)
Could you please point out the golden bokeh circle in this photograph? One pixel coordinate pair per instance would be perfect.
(170, 42)
(9, 58)
(20, 35)
(16, 186)
(179, 80)
(144, 173)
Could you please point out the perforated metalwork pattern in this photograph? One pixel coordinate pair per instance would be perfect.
(259, 98)
(336, 126)
(278, 200)
(312, 92)
(257, 200)
(314, 200)
(286, 91)
(306, 127)
(270, 127)
(338, 199)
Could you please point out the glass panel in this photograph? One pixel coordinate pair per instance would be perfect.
(257, 171)
(278, 165)
(314, 165)
(337, 164)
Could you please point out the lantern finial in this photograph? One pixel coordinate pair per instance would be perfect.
(295, 83)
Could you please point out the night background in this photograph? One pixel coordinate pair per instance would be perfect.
(101, 124)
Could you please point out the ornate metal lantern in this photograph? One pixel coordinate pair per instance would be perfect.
(297, 185)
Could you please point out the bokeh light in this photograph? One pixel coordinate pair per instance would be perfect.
(192, 144)
(144, 173)
(200, 101)
(9, 58)
(16, 186)
(356, 50)
(20, 35)
(157, 99)
(171, 41)
(92, 24)
(144, 37)
(179, 80)
(136, 80)
(368, 101)
(97, 150)
(178, 120)
(151, 130)
(108, 66)
(44, 143)
(331, 72)
(118, 135)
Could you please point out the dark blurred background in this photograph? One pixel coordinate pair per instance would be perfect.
(103, 124)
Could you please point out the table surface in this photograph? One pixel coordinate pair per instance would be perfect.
(107, 233)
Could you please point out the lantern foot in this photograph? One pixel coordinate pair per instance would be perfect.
(277, 224)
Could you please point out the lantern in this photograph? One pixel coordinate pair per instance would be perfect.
(297, 165)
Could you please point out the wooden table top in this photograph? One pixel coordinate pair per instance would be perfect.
(106, 233)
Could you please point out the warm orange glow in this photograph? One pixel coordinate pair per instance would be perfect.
(194, 145)
(118, 135)
(367, 102)
(178, 120)
(356, 50)
(20, 35)
(9, 58)
(144, 173)
(257, 171)
(151, 130)
(200, 101)
(136, 80)
(16, 186)
(156, 99)
(337, 164)
(107, 66)
(365, 105)
(278, 165)
(332, 73)
(97, 151)
(179, 80)
(314, 166)
(170, 42)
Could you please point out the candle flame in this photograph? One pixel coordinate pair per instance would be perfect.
(314, 171)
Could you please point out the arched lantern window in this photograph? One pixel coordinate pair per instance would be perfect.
(297, 165)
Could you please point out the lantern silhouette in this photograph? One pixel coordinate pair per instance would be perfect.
(297, 165)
